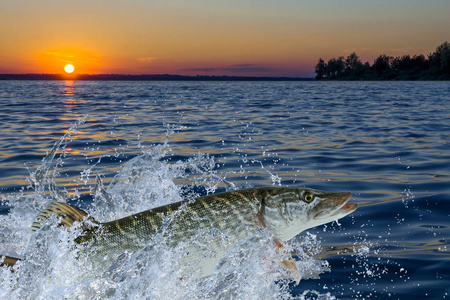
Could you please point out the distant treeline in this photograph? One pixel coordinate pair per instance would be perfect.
(436, 66)
(144, 77)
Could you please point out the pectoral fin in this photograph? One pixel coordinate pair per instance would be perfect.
(288, 263)
(68, 215)
(8, 261)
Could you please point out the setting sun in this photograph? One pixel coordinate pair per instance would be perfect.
(69, 68)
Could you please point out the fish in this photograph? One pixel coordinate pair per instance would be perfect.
(283, 211)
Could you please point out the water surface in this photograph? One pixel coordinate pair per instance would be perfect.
(387, 142)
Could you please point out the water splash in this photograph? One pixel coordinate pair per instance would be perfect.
(250, 270)
(43, 177)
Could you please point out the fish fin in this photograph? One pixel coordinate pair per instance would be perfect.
(260, 216)
(289, 262)
(8, 261)
(68, 214)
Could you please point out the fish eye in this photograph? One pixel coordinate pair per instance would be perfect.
(308, 197)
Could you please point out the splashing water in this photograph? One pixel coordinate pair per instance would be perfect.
(53, 268)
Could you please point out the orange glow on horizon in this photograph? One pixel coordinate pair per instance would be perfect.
(51, 61)
(273, 38)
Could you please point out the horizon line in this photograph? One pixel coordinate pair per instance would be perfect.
(106, 76)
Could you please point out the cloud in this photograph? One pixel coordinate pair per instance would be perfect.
(356, 50)
(146, 60)
(64, 57)
(247, 68)
(198, 69)
(73, 56)
(59, 54)
(239, 68)
(404, 50)
(243, 65)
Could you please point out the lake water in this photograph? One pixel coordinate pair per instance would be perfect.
(152, 143)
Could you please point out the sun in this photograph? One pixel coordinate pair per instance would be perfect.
(69, 68)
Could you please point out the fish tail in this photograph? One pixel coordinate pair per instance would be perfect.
(68, 215)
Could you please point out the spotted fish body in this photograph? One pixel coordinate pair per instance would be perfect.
(236, 215)
(233, 214)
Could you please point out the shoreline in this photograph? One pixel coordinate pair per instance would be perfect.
(145, 77)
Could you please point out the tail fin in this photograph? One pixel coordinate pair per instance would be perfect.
(8, 261)
(68, 214)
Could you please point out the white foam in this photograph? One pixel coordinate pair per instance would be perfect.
(53, 268)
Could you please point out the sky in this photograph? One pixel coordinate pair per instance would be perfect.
(212, 37)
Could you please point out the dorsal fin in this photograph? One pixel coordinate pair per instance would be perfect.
(68, 214)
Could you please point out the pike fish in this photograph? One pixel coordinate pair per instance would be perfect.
(284, 211)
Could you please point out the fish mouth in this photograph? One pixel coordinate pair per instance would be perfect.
(335, 206)
(346, 209)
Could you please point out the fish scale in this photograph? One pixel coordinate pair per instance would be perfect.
(219, 220)
(231, 213)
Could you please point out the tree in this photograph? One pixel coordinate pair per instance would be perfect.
(331, 68)
(340, 66)
(445, 62)
(396, 64)
(442, 57)
(354, 68)
(382, 64)
(353, 63)
(401, 64)
(420, 63)
(335, 67)
(442, 48)
(435, 66)
(320, 69)
(436, 57)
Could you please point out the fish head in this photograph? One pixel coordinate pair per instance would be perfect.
(289, 211)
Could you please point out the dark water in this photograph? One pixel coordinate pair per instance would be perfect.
(387, 142)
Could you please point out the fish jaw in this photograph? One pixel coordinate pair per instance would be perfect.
(333, 207)
(346, 209)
